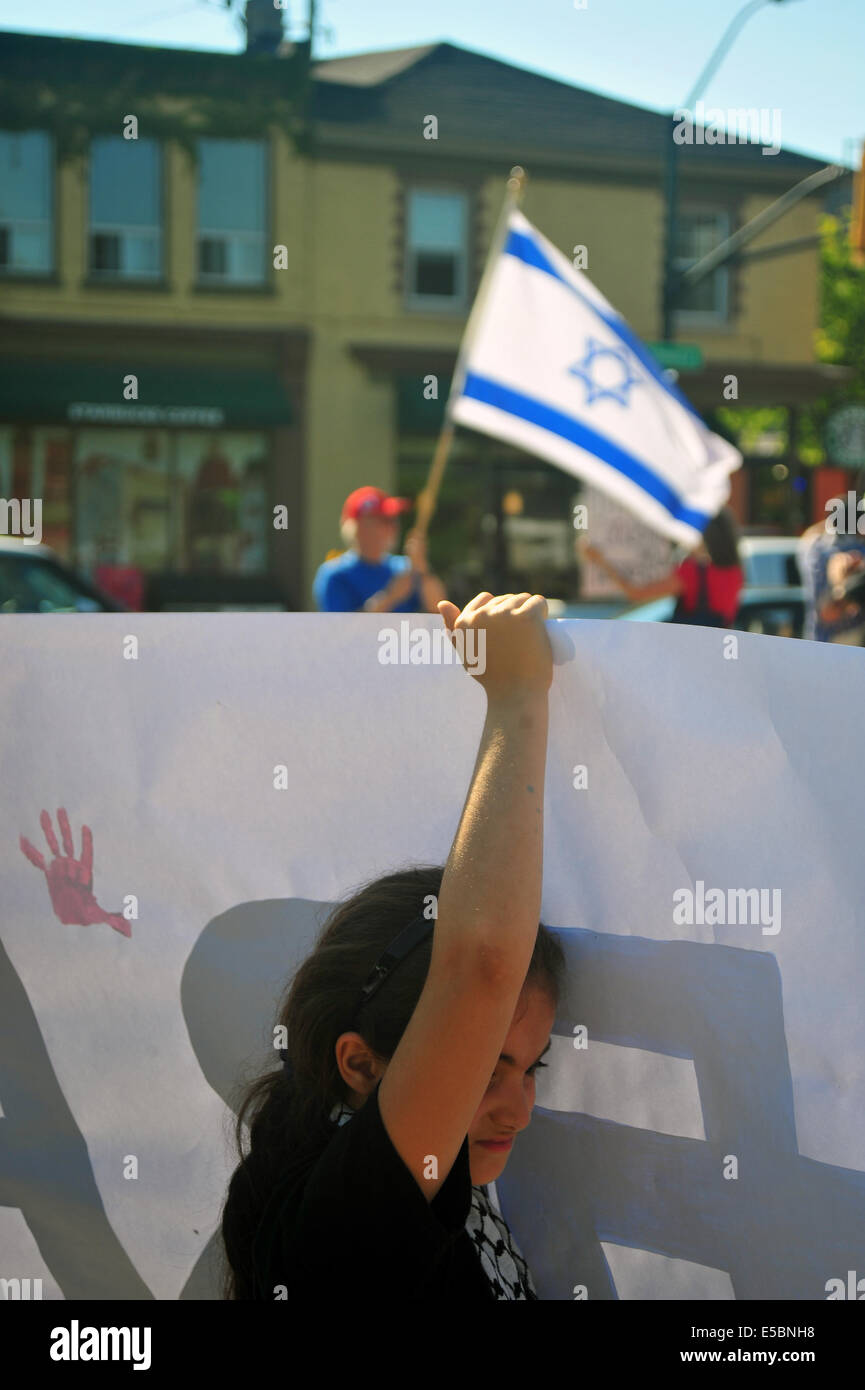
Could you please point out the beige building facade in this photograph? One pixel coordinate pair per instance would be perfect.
(282, 309)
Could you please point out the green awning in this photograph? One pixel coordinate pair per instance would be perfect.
(414, 413)
(180, 397)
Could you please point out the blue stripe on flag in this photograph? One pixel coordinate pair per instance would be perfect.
(480, 388)
(524, 248)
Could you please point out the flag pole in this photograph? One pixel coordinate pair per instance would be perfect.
(428, 497)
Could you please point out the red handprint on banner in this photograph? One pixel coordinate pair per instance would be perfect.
(70, 880)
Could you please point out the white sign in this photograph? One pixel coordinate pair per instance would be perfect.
(703, 872)
(635, 550)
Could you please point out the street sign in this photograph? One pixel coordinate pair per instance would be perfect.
(845, 436)
(685, 357)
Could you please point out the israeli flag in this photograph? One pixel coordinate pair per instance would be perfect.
(549, 366)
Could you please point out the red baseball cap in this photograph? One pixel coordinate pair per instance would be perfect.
(371, 501)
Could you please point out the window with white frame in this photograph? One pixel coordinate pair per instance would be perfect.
(125, 209)
(232, 210)
(699, 231)
(26, 173)
(436, 249)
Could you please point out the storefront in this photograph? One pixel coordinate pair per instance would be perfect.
(179, 480)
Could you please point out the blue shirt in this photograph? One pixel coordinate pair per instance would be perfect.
(343, 585)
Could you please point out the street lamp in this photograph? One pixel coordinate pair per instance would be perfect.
(671, 280)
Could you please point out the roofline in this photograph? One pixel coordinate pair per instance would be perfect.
(424, 51)
(217, 54)
(383, 52)
(427, 49)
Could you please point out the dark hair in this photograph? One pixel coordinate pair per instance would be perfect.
(289, 1117)
(721, 539)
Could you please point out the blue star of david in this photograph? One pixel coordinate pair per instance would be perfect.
(596, 392)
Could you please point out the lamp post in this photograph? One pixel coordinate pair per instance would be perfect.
(671, 285)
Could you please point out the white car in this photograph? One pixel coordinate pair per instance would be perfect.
(770, 562)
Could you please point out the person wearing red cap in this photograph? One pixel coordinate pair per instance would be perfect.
(368, 578)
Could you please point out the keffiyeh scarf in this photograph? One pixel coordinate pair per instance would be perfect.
(498, 1252)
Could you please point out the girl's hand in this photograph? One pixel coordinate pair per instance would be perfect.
(511, 653)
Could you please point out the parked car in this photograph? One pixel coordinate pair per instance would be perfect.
(33, 579)
(770, 561)
(775, 611)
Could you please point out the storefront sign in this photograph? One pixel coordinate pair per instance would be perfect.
(131, 414)
(685, 357)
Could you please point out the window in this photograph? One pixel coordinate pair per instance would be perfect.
(436, 249)
(231, 212)
(125, 209)
(25, 203)
(699, 231)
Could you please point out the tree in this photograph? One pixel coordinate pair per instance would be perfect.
(839, 340)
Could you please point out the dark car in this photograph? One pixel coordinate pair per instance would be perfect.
(33, 579)
(778, 611)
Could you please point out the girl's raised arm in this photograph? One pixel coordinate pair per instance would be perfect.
(489, 902)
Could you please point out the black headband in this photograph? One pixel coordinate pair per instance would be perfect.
(399, 948)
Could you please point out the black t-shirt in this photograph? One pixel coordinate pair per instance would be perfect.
(357, 1222)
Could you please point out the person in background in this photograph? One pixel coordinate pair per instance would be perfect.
(828, 561)
(847, 600)
(368, 578)
(707, 584)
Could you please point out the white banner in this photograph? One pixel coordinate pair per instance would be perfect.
(702, 868)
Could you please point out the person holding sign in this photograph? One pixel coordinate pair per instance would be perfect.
(707, 584)
(412, 1036)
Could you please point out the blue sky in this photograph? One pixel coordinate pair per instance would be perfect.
(804, 58)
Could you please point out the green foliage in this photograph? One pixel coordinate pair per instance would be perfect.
(840, 340)
(746, 427)
(841, 336)
(77, 89)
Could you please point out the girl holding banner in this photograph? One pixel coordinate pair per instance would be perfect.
(413, 1034)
